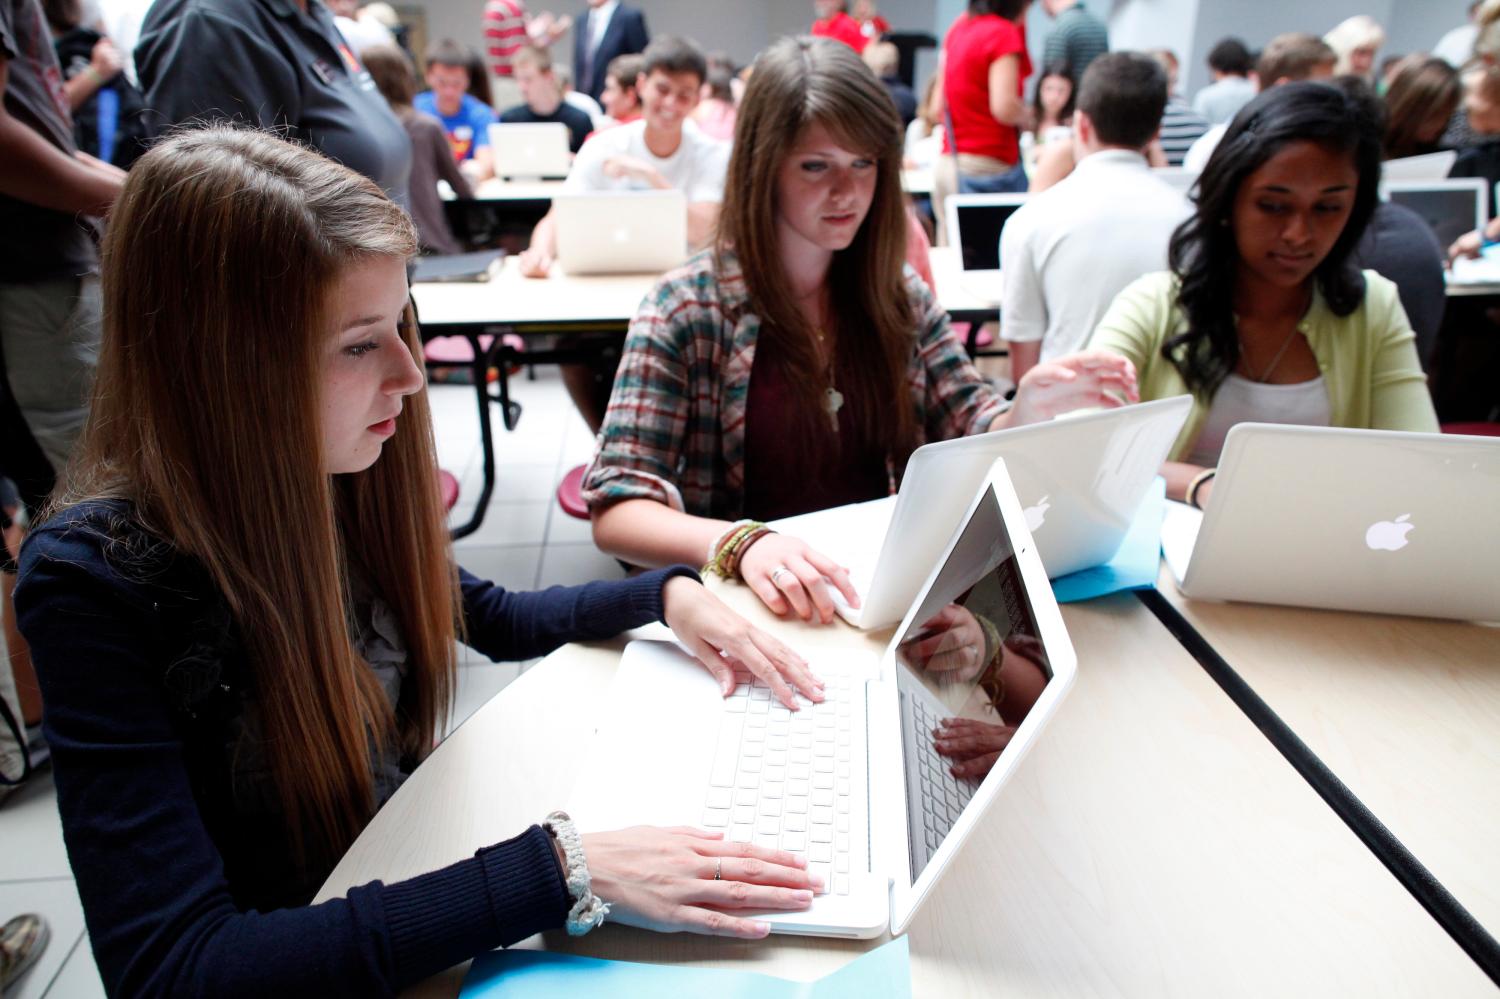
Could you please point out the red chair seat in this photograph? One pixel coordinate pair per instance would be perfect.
(448, 489)
(1473, 429)
(570, 494)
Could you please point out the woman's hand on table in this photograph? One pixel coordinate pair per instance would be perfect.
(721, 640)
(1078, 381)
(664, 880)
(972, 745)
(790, 576)
(535, 264)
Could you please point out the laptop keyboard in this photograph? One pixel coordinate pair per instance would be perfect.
(943, 796)
(781, 779)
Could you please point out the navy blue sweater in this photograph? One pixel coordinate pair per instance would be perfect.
(144, 683)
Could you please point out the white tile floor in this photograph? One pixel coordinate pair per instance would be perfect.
(526, 542)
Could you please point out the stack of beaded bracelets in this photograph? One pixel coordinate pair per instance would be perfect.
(588, 909)
(725, 553)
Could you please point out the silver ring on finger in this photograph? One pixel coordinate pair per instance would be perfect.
(776, 573)
(719, 869)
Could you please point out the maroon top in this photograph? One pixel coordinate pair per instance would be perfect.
(841, 476)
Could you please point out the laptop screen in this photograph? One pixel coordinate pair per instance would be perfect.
(979, 231)
(1451, 212)
(969, 669)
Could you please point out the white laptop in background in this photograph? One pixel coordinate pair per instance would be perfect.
(1428, 166)
(1451, 207)
(975, 222)
(1081, 479)
(823, 781)
(1360, 520)
(530, 150)
(620, 232)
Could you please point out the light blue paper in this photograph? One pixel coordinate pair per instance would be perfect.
(883, 973)
(1134, 566)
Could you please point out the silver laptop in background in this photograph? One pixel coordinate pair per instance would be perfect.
(1381, 521)
(620, 232)
(975, 222)
(1081, 478)
(530, 150)
(1426, 167)
(822, 781)
(1451, 207)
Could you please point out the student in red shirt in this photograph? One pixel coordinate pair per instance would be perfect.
(834, 22)
(983, 68)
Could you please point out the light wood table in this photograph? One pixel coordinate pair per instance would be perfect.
(1406, 711)
(1152, 843)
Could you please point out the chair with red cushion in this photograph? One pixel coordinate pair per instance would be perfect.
(570, 494)
(1480, 429)
(448, 489)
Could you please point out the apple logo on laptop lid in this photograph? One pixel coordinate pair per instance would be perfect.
(1036, 515)
(1389, 535)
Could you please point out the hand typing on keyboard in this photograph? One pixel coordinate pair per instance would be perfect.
(690, 879)
(722, 640)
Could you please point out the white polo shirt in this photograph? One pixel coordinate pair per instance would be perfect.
(1069, 250)
(697, 168)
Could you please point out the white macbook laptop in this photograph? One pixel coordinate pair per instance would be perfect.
(620, 232)
(823, 781)
(1361, 520)
(1081, 479)
(975, 222)
(530, 151)
(1451, 207)
(1428, 166)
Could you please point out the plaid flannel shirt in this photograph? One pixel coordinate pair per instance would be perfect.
(675, 428)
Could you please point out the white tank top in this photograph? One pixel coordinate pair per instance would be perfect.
(1239, 400)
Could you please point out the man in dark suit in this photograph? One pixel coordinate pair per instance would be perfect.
(607, 29)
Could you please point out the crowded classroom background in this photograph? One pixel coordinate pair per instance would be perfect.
(269, 268)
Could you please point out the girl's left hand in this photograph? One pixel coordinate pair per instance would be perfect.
(1087, 379)
(721, 640)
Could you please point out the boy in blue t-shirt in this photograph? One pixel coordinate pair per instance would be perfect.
(465, 119)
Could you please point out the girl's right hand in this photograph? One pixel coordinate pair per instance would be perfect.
(803, 587)
(663, 879)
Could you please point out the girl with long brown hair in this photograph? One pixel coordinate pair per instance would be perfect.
(242, 606)
(1422, 97)
(794, 366)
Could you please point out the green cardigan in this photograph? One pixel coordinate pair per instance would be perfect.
(1368, 358)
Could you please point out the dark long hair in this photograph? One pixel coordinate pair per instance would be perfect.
(1203, 252)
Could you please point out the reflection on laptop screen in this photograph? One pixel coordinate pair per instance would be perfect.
(970, 666)
(1450, 212)
(979, 228)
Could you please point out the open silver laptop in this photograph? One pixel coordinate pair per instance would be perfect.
(1081, 479)
(823, 781)
(1451, 207)
(530, 150)
(975, 222)
(1362, 520)
(620, 232)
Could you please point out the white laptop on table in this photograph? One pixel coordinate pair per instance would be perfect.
(1081, 479)
(620, 232)
(1361, 520)
(975, 222)
(530, 150)
(1428, 166)
(823, 781)
(1451, 207)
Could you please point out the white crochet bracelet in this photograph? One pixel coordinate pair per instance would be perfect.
(588, 909)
